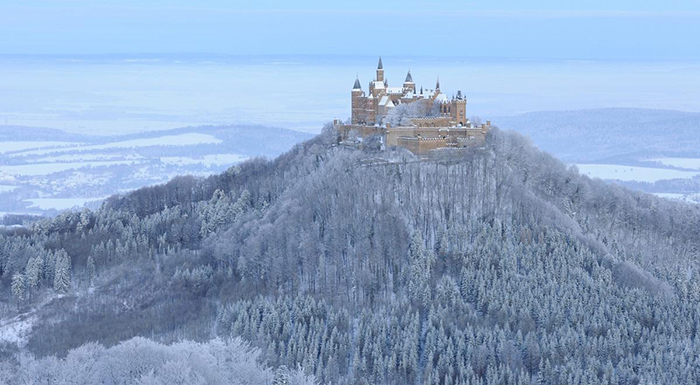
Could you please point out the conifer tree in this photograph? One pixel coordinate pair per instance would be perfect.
(90, 270)
(62, 280)
(18, 286)
(33, 272)
(419, 270)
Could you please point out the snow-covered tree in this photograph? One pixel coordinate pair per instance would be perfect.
(421, 261)
(90, 270)
(18, 285)
(33, 271)
(62, 272)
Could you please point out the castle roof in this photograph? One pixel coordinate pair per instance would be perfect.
(442, 98)
(409, 78)
(380, 66)
(357, 84)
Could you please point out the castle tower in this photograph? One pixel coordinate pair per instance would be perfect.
(357, 103)
(437, 85)
(408, 84)
(380, 71)
(459, 109)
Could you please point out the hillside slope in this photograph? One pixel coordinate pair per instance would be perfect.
(495, 265)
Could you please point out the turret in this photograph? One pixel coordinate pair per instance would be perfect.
(459, 109)
(380, 71)
(357, 103)
(437, 85)
(357, 87)
(408, 84)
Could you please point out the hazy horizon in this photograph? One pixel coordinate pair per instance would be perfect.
(121, 94)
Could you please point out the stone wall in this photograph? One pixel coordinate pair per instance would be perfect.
(421, 146)
(418, 139)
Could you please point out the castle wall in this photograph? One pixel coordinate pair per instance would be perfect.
(418, 140)
(347, 131)
(421, 146)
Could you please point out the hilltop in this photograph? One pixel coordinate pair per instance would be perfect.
(496, 264)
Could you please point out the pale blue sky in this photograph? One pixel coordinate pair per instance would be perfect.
(537, 29)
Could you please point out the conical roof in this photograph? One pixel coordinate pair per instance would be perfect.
(409, 78)
(380, 66)
(357, 84)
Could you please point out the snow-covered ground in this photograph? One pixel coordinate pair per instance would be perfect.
(35, 169)
(633, 173)
(16, 330)
(81, 156)
(688, 163)
(189, 139)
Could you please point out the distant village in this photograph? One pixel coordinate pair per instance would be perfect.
(420, 120)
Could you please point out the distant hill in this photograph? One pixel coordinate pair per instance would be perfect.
(618, 133)
(24, 133)
(495, 265)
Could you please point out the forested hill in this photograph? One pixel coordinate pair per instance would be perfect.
(497, 265)
(623, 134)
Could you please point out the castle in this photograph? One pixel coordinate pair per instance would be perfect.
(419, 120)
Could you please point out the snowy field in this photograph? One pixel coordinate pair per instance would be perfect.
(36, 169)
(191, 139)
(58, 176)
(633, 173)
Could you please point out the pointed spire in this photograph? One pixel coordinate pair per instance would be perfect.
(409, 78)
(357, 84)
(421, 90)
(437, 85)
(380, 66)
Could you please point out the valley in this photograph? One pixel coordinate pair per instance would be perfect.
(45, 177)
